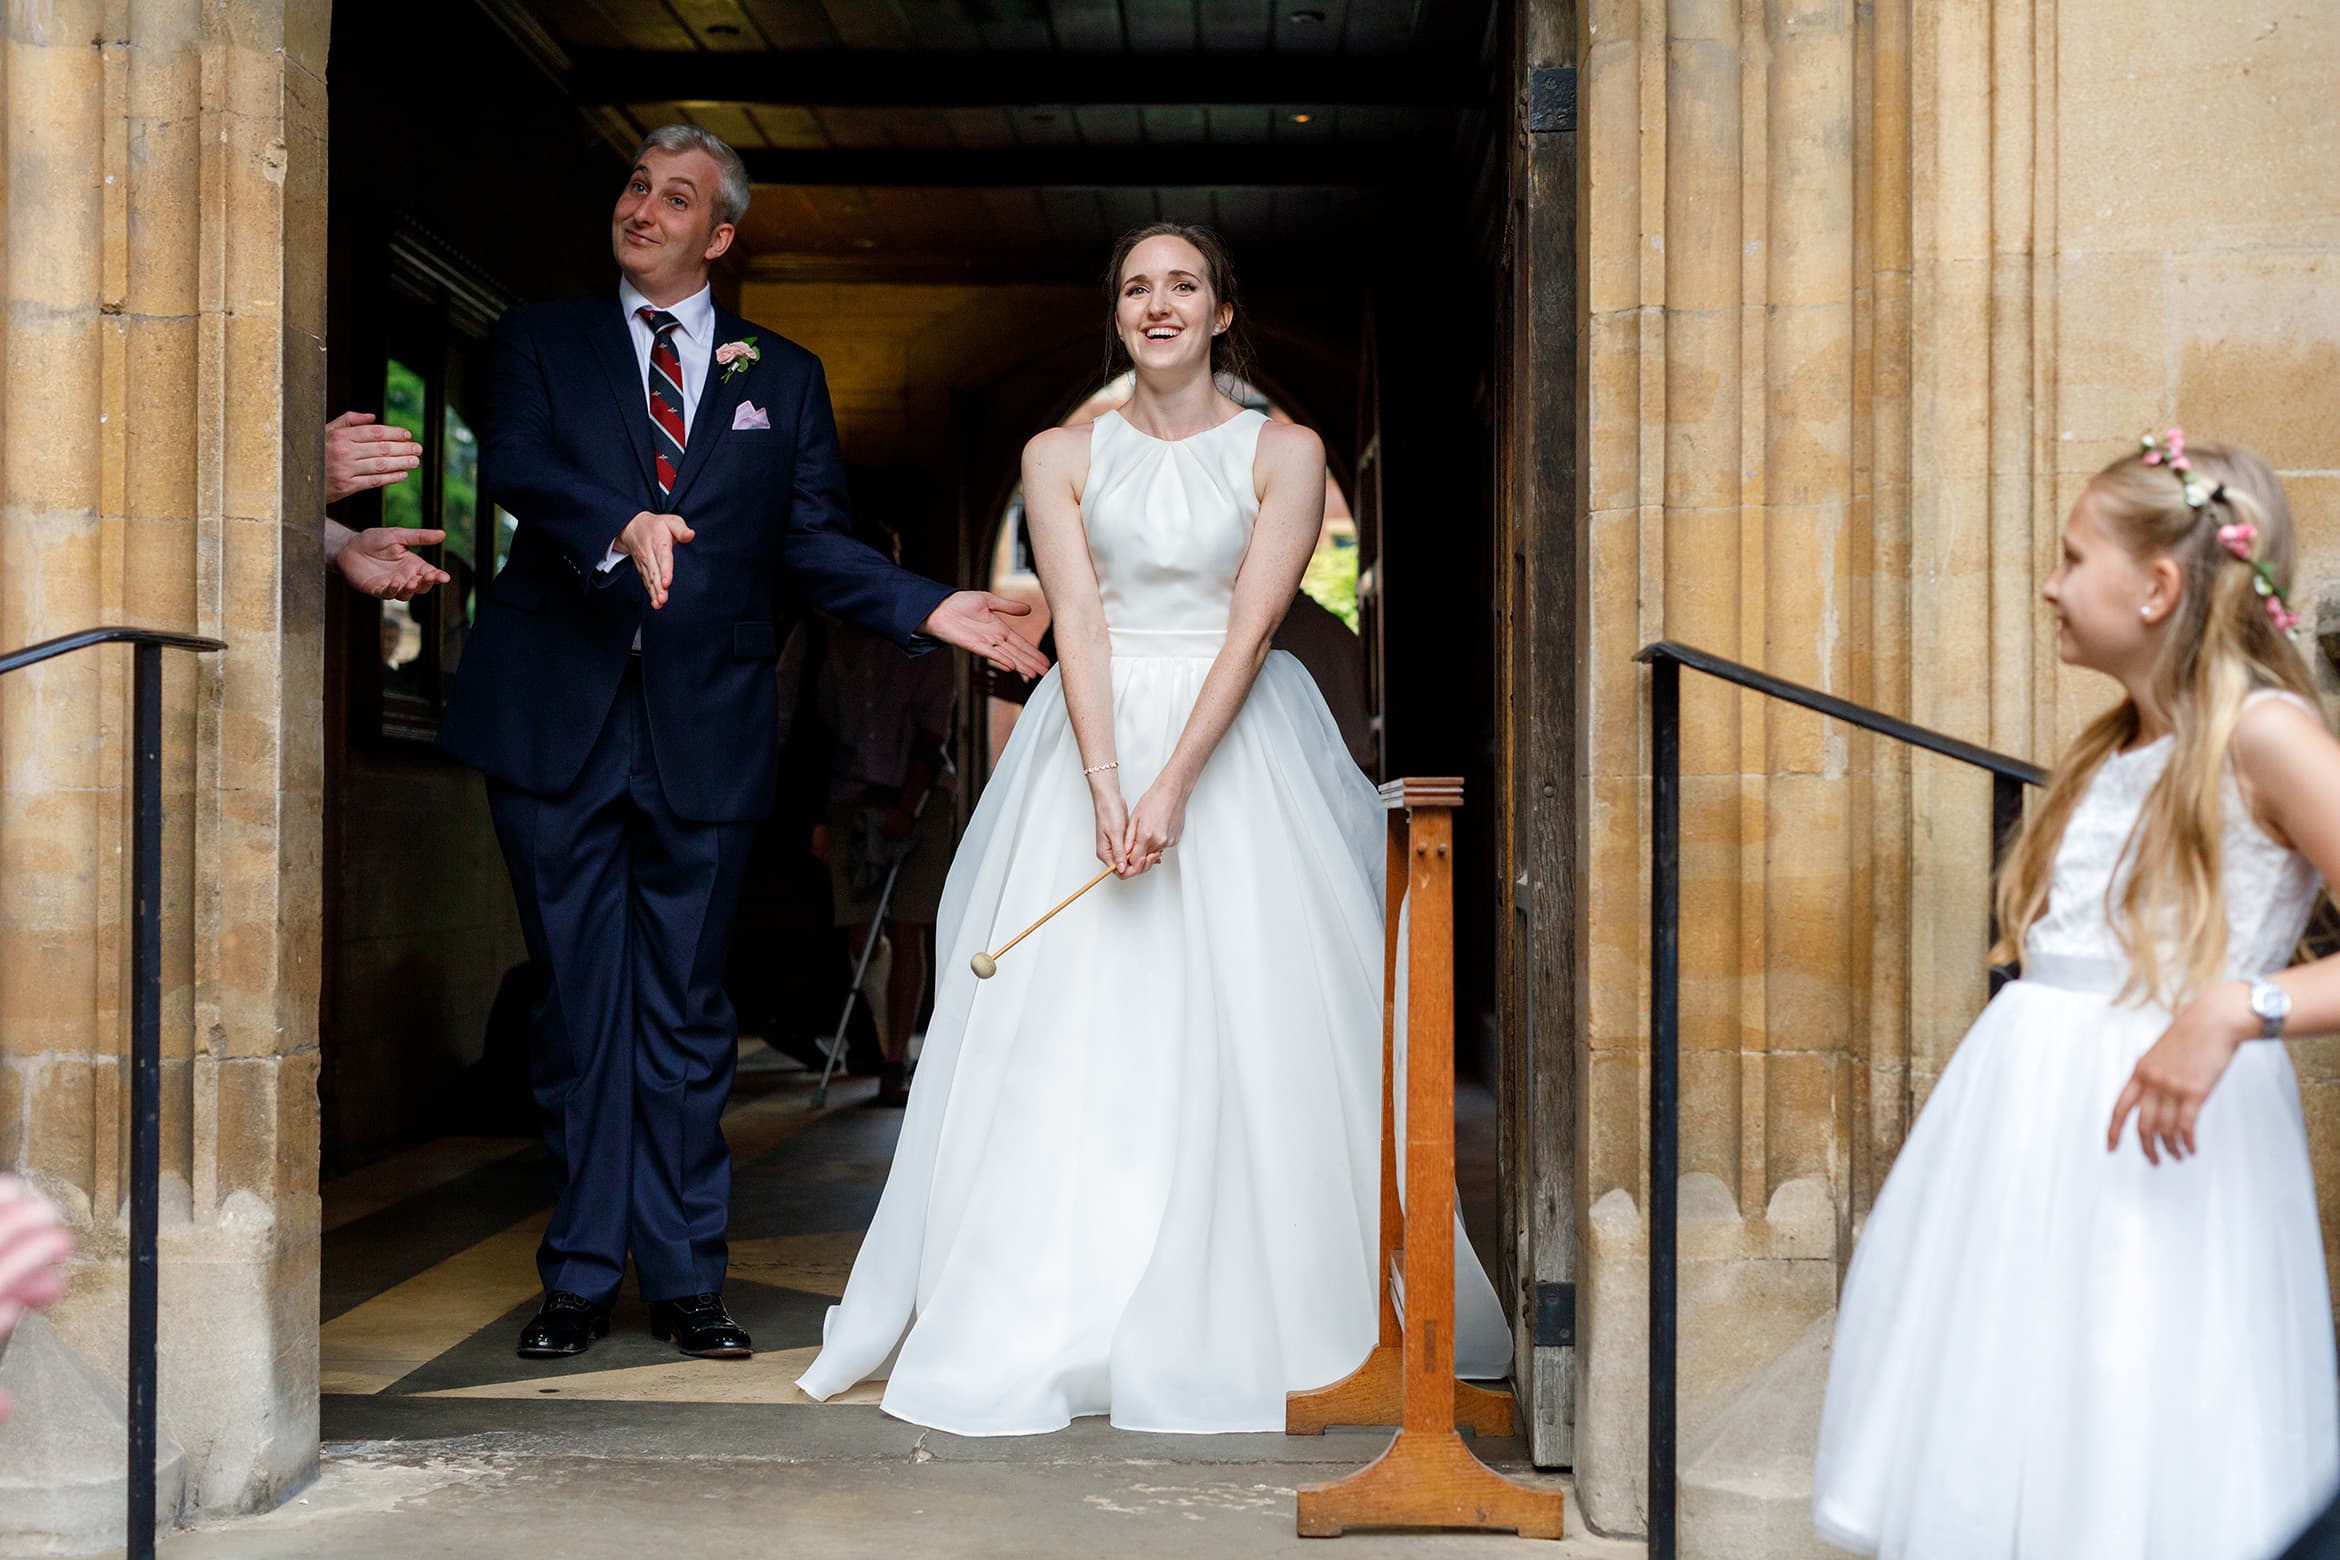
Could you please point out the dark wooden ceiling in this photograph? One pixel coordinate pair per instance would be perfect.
(1018, 26)
(956, 136)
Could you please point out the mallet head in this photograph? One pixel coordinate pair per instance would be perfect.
(985, 966)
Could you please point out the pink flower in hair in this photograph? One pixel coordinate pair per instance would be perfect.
(2237, 538)
(2284, 619)
(2177, 445)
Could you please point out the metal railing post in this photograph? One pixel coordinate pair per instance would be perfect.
(1665, 1087)
(1665, 661)
(145, 1089)
(147, 646)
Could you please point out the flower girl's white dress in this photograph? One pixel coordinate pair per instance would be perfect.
(2052, 1352)
(1139, 1173)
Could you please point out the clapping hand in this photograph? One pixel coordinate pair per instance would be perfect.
(361, 453)
(376, 562)
(977, 621)
(33, 1246)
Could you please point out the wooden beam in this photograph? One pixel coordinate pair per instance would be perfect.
(889, 79)
(1039, 267)
(1331, 165)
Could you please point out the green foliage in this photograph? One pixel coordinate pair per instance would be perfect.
(459, 489)
(404, 406)
(1332, 579)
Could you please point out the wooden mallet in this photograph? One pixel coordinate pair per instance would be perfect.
(986, 965)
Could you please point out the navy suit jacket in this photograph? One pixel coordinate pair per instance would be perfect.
(565, 446)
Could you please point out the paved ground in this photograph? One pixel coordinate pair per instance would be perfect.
(440, 1442)
(852, 1484)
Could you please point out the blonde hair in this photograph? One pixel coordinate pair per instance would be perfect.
(2221, 647)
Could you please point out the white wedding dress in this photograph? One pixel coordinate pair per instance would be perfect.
(1139, 1172)
(2050, 1352)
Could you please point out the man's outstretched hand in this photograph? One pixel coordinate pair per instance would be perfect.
(977, 622)
(649, 541)
(376, 562)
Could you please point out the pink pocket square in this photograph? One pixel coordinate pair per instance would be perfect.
(750, 415)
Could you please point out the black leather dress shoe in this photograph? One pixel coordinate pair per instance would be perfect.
(700, 1327)
(565, 1324)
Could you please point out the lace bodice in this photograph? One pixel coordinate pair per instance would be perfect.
(2270, 889)
(1168, 521)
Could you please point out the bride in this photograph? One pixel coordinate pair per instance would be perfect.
(1139, 1172)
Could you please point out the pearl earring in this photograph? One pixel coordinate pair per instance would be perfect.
(2146, 613)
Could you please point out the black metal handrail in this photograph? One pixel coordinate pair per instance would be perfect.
(145, 1028)
(1665, 660)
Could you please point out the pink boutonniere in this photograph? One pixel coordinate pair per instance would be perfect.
(737, 356)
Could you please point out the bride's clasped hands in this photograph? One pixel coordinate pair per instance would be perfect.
(1154, 826)
(1112, 822)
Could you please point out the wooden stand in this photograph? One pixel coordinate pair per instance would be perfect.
(1427, 1478)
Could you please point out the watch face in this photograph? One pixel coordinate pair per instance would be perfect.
(2270, 1001)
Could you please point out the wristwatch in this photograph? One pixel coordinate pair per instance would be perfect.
(2273, 1005)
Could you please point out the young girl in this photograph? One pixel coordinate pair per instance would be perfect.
(2061, 1337)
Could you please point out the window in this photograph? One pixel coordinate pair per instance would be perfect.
(433, 336)
(403, 405)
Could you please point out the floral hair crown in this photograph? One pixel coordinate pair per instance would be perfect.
(2169, 449)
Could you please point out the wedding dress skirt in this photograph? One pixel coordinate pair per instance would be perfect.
(1139, 1172)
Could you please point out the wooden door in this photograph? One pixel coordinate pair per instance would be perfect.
(1541, 940)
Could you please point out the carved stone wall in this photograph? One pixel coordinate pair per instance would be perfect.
(1872, 289)
(160, 464)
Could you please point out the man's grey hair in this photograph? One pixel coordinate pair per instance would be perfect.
(731, 187)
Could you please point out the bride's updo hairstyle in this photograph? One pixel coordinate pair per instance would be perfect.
(2218, 512)
(1231, 349)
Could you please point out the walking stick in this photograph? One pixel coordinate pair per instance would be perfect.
(877, 921)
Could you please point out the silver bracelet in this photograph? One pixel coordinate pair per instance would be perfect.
(1098, 769)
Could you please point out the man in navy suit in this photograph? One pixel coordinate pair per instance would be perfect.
(676, 477)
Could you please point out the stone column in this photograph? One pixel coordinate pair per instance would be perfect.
(1733, 230)
(160, 397)
(1872, 290)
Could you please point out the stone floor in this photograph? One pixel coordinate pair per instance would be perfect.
(1082, 1498)
(440, 1441)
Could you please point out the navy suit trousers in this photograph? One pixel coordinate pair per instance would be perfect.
(629, 907)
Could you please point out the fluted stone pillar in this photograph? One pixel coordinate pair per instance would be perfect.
(1872, 289)
(1727, 212)
(160, 396)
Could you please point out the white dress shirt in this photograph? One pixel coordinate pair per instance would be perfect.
(693, 341)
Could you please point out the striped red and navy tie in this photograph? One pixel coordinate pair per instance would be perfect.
(667, 434)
